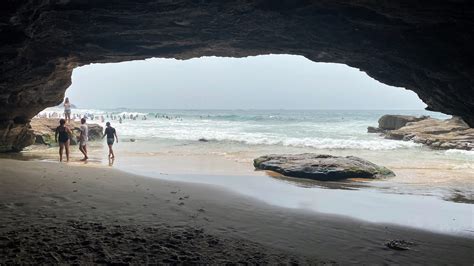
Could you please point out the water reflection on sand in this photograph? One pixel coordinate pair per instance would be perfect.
(432, 190)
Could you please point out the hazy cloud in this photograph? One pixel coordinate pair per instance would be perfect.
(262, 82)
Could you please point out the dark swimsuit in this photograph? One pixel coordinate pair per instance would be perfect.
(63, 136)
(110, 131)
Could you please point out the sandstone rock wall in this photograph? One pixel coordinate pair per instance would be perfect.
(14, 136)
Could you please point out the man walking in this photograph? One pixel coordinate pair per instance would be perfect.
(83, 137)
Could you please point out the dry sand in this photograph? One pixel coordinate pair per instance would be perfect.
(60, 213)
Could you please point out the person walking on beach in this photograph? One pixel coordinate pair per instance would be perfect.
(111, 137)
(63, 132)
(83, 137)
(67, 110)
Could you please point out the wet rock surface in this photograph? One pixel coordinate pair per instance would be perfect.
(399, 244)
(321, 167)
(424, 47)
(391, 122)
(446, 134)
(44, 129)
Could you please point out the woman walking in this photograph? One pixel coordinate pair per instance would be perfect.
(67, 110)
(63, 132)
(111, 137)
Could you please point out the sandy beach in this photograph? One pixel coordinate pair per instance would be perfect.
(71, 213)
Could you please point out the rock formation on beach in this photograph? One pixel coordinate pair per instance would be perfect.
(391, 122)
(44, 129)
(451, 133)
(320, 166)
(425, 47)
(15, 136)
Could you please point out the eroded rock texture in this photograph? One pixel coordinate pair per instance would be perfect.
(321, 166)
(45, 128)
(424, 46)
(446, 134)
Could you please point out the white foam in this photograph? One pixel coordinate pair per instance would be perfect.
(324, 132)
(251, 135)
(461, 152)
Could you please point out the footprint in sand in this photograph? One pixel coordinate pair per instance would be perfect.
(181, 203)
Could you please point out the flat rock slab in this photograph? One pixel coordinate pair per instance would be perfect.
(320, 166)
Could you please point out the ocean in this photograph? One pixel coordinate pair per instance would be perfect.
(318, 129)
(217, 148)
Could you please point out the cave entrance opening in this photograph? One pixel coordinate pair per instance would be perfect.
(282, 100)
(260, 82)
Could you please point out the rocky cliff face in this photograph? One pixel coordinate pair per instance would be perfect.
(424, 46)
(446, 134)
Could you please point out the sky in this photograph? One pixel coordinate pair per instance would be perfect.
(259, 82)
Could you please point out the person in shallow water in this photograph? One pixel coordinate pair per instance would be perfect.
(67, 110)
(63, 132)
(83, 137)
(111, 137)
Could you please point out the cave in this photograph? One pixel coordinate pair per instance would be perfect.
(423, 46)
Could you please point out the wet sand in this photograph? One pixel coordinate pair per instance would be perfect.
(70, 213)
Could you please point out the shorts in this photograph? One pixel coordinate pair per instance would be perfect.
(83, 143)
(110, 141)
(67, 112)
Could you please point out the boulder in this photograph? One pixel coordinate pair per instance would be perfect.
(44, 129)
(391, 122)
(451, 133)
(320, 166)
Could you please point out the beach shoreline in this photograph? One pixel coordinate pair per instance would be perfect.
(41, 198)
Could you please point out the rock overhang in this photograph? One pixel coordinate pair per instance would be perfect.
(423, 46)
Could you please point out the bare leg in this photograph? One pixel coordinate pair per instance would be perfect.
(61, 147)
(83, 149)
(66, 145)
(111, 152)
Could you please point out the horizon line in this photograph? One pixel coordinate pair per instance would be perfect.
(251, 109)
